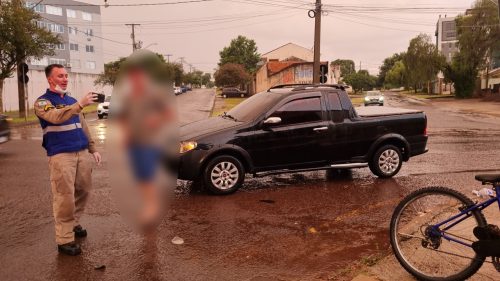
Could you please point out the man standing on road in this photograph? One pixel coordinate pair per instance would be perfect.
(67, 140)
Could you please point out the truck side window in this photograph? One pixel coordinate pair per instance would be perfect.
(347, 106)
(300, 111)
(335, 111)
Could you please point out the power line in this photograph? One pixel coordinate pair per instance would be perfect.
(100, 37)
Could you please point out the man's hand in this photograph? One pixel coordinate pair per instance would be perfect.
(88, 99)
(97, 158)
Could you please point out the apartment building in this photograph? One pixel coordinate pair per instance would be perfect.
(78, 24)
(446, 37)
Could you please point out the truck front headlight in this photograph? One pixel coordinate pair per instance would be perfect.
(367, 99)
(187, 146)
(381, 98)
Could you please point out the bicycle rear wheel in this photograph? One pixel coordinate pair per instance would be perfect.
(421, 250)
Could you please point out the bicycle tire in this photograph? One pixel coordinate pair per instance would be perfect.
(424, 249)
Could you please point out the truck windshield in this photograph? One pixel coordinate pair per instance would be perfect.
(254, 106)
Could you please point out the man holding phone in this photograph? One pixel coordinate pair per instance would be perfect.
(70, 149)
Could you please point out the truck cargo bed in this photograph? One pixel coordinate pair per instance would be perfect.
(376, 111)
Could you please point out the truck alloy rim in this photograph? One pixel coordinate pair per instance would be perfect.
(388, 161)
(224, 175)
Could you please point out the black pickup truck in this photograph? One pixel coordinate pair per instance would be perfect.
(293, 128)
(4, 129)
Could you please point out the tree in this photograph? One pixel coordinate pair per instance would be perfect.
(361, 80)
(20, 39)
(462, 75)
(346, 66)
(206, 78)
(241, 51)
(422, 61)
(110, 73)
(387, 65)
(396, 76)
(193, 78)
(231, 74)
(478, 36)
(112, 70)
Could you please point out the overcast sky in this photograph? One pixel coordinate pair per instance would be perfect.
(362, 30)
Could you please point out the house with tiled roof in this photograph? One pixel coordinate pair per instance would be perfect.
(287, 64)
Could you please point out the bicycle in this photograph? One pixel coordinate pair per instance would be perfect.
(438, 233)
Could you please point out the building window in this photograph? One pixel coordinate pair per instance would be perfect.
(75, 63)
(89, 32)
(89, 48)
(57, 61)
(40, 8)
(60, 47)
(42, 61)
(73, 47)
(86, 16)
(72, 30)
(57, 28)
(90, 64)
(53, 10)
(41, 24)
(70, 13)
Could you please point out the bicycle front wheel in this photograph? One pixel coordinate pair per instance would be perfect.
(427, 252)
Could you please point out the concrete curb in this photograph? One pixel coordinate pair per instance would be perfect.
(213, 104)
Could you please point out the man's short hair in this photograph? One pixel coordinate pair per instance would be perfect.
(48, 69)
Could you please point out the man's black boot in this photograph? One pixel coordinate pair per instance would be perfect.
(71, 249)
(79, 231)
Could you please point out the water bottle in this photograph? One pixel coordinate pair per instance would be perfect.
(483, 193)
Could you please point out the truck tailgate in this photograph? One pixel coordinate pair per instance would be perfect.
(375, 111)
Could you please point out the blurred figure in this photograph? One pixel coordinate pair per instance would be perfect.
(144, 114)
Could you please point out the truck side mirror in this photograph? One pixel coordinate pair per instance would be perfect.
(272, 121)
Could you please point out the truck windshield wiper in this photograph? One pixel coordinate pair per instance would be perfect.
(224, 115)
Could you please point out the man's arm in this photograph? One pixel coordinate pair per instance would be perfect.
(46, 110)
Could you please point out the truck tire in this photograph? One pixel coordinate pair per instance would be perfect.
(223, 175)
(100, 116)
(386, 161)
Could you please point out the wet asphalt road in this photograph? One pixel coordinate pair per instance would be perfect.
(306, 226)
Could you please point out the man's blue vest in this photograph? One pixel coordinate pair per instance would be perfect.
(67, 136)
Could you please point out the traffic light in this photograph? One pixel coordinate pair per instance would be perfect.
(23, 73)
(323, 70)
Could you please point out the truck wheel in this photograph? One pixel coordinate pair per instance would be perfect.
(100, 116)
(387, 161)
(224, 96)
(223, 175)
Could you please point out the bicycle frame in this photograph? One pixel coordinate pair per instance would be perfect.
(463, 216)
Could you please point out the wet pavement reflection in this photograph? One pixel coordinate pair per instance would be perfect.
(304, 226)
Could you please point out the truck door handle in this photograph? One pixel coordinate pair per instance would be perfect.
(319, 129)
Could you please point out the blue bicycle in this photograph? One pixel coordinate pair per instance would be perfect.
(438, 233)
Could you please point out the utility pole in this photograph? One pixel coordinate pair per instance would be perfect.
(134, 44)
(499, 11)
(359, 65)
(317, 40)
(168, 57)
